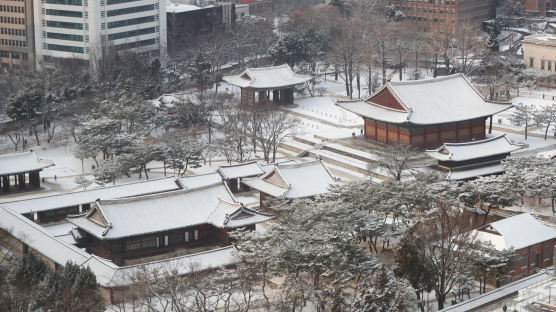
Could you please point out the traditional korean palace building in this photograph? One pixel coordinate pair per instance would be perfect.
(532, 240)
(55, 208)
(292, 181)
(177, 223)
(25, 169)
(142, 226)
(468, 160)
(425, 113)
(256, 84)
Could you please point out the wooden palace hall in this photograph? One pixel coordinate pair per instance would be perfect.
(263, 84)
(181, 221)
(425, 113)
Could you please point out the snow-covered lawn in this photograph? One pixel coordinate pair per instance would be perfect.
(325, 108)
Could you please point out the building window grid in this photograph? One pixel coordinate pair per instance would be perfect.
(132, 21)
(137, 9)
(64, 48)
(131, 33)
(68, 25)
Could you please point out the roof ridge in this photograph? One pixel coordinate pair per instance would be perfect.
(163, 194)
(237, 165)
(427, 80)
(299, 165)
(91, 190)
(174, 258)
(269, 67)
(477, 141)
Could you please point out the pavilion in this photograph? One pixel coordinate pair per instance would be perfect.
(24, 167)
(469, 160)
(279, 79)
(425, 113)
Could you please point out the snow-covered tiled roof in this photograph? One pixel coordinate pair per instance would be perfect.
(207, 260)
(267, 77)
(375, 112)
(516, 232)
(244, 170)
(212, 204)
(89, 196)
(481, 302)
(107, 273)
(473, 172)
(201, 179)
(294, 180)
(430, 101)
(39, 238)
(21, 163)
(473, 150)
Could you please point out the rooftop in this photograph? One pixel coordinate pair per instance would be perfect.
(89, 196)
(430, 101)
(549, 39)
(473, 150)
(273, 77)
(296, 180)
(21, 163)
(108, 274)
(516, 232)
(473, 172)
(210, 204)
(244, 170)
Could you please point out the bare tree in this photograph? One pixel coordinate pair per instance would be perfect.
(395, 160)
(275, 128)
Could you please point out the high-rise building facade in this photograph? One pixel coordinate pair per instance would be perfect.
(446, 15)
(88, 29)
(539, 7)
(16, 33)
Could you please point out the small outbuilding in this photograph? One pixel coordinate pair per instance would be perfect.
(531, 239)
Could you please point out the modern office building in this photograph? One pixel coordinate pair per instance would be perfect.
(87, 30)
(16, 33)
(442, 15)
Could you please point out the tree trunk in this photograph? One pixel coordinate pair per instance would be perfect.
(36, 135)
(526, 125)
(546, 131)
(440, 298)
(358, 85)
